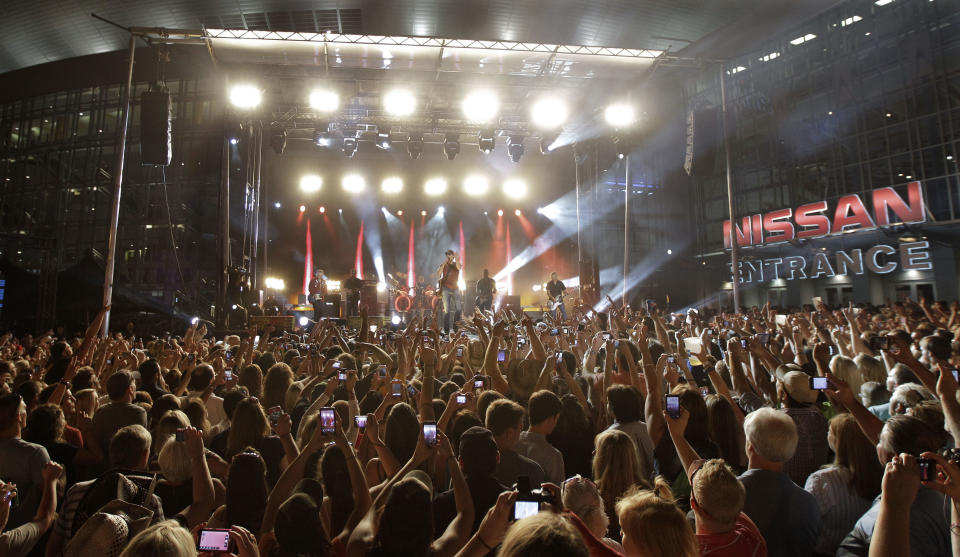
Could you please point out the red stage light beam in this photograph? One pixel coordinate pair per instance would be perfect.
(527, 226)
(308, 261)
(463, 253)
(411, 260)
(359, 261)
(509, 259)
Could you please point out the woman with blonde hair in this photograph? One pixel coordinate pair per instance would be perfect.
(845, 368)
(616, 470)
(275, 385)
(653, 525)
(844, 489)
(164, 539)
(581, 497)
(871, 369)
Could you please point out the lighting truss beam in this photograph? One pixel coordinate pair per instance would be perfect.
(434, 42)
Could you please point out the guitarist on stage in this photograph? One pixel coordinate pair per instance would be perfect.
(318, 293)
(485, 289)
(449, 275)
(555, 292)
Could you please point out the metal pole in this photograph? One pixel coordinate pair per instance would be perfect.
(734, 248)
(255, 278)
(117, 183)
(224, 230)
(626, 226)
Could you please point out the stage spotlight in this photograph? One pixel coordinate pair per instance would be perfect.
(451, 145)
(349, 147)
(383, 140)
(435, 186)
(304, 321)
(311, 183)
(517, 212)
(546, 140)
(303, 208)
(480, 106)
(323, 209)
(669, 252)
(515, 147)
(499, 212)
(354, 183)
(234, 141)
(399, 102)
(620, 115)
(324, 100)
(400, 213)
(476, 185)
(276, 205)
(515, 188)
(245, 96)
(415, 145)
(194, 320)
(486, 141)
(423, 213)
(321, 134)
(392, 184)
(549, 113)
(395, 320)
(441, 210)
(274, 283)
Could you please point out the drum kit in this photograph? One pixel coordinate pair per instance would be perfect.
(405, 298)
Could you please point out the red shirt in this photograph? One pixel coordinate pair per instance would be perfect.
(451, 276)
(744, 540)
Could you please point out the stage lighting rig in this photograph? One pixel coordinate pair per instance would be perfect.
(435, 186)
(515, 147)
(399, 102)
(392, 184)
(451, 145)
(486, 141)
(383, 140)
(476, 185)
(350, 146)
(480, 106)
(311, 183)
(353, 183)
(321, 134)
(515, 188)
(546, 140)
(415, 145)
(278, 138)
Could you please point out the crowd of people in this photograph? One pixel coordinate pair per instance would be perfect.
(803, 431)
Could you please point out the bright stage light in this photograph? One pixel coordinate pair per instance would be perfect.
(515, 147)
(303, 208)
(323, 209)
(669, 252)
(435, 186)
(399, 102)
(304, 321)
(517, 212)
(311, 183)
(480, 106)
(451, 145)
(476, 185)
(499, 212)
(383, 140)
(549, 113)
(276, 205)
(400, 213)
(423, 213)
(245, 96)
(440, 210)
(381, 287)
(620, 115)
(324, 100)
(515, 188)
(274, 283)
(395, 319)
(234, 141)
(392, 184)
(194, 320)
(353, 183)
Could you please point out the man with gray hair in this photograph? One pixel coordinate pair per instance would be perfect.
(787, 516)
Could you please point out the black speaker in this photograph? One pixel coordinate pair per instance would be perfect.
(703, 138)
(156, 142)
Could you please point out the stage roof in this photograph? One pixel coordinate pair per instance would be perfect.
(39, 31)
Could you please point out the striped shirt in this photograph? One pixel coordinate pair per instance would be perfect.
(840, 505)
